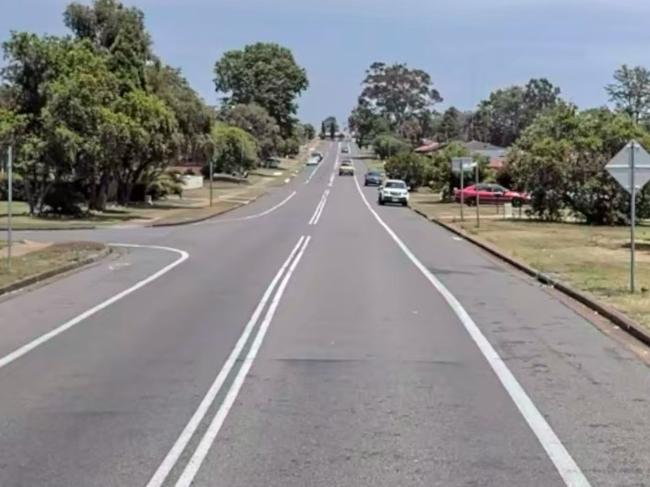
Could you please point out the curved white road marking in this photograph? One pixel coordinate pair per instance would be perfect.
(319, 209)
(174, 454)
(249, 217)
(25, 349)
(210, 435)
(564, 463)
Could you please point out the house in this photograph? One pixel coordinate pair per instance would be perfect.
(428, 146)
(495, 153)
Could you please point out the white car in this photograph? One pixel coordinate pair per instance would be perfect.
(313, 160)
(394, 191)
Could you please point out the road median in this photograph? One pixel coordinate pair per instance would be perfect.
(46, 263)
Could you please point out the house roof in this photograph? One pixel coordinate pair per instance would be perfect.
(428, 146)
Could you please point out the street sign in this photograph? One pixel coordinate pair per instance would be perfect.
(466, 163)
(620, 166)
(631, 169)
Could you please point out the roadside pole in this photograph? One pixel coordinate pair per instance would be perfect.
(478, 212)
(9, 201)
(632, 217)
(211, 177)
(462, 188)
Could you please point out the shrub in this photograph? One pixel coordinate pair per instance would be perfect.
(412, 168)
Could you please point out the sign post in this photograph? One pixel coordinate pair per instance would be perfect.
(460, 165)
(211, 178)
(631, 169)
(478, 202)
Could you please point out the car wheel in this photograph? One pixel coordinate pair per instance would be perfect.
(405, 203)
(516, 203)
(380, 201)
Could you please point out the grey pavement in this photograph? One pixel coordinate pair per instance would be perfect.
(366, 377)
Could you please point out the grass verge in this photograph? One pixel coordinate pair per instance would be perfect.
(56, 256)
(589, 258)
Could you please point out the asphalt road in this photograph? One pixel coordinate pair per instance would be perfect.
(311, 338)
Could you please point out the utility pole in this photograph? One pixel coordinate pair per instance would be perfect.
(9, 201)
(211, 178)
(632, 217)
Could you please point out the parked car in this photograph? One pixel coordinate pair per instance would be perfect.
(372, 178)
(394, 191)
(346, 168)
(491, 194)
(313, 160)
(272, 163)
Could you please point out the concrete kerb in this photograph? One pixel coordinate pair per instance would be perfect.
(43, 276)
(616, 317)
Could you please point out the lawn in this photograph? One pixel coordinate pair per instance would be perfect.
(591, 258)
(194, 204)
(53, 257)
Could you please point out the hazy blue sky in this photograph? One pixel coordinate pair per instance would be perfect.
(469, 47)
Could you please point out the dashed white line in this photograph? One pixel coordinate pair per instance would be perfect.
(162, 472)
(25, 349)
(561, 458)
(193, 466)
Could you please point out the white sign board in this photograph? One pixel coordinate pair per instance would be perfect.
(620, 166)
(466, 163)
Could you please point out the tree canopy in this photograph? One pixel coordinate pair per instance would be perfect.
(262, 73)
(630, 91)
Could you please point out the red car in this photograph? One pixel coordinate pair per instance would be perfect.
(491, 194)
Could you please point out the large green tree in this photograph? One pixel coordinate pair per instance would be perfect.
(255, 120)
(233, 150)
(262, 73)
(630, 91)
(451, 125)
(119, 32)
(397, 92)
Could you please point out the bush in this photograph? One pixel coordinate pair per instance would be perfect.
(18, 188)
(166, 184)
(64, 198)
(412, 168)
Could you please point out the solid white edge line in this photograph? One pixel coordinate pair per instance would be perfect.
(168, 463)
(564, 463)
(25, 349)
(193, 466)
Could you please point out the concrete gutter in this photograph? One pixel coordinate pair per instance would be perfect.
(616, 317)
(28, 281)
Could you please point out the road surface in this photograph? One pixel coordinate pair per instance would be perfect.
(311, 338)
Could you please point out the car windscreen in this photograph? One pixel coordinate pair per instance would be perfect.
(393, 184)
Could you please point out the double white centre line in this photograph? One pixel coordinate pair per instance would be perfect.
(319, 209)
(192, 467)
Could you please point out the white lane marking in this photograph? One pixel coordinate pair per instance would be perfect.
(25, 349)
(319, 209)
(332, 176)
(162, 472)
(250, 217)
(564, 463)
(193, 466)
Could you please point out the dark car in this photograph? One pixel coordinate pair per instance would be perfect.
(372, 178)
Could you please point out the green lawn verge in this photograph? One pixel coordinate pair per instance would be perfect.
(54, 257)
(590, 258)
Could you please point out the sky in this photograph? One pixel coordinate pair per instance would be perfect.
(469, 47)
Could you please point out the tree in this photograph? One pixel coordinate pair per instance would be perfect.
(560, 160)
(310, 131)
(414, 169)
(262, 73)
(233, 150)
(117, 31)
(398, 93)
(451, 125)
(194, 117)
(386, 146)
(255, 120)
(502, 118)
(329, 127)
(366, 125)
(630, 91)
